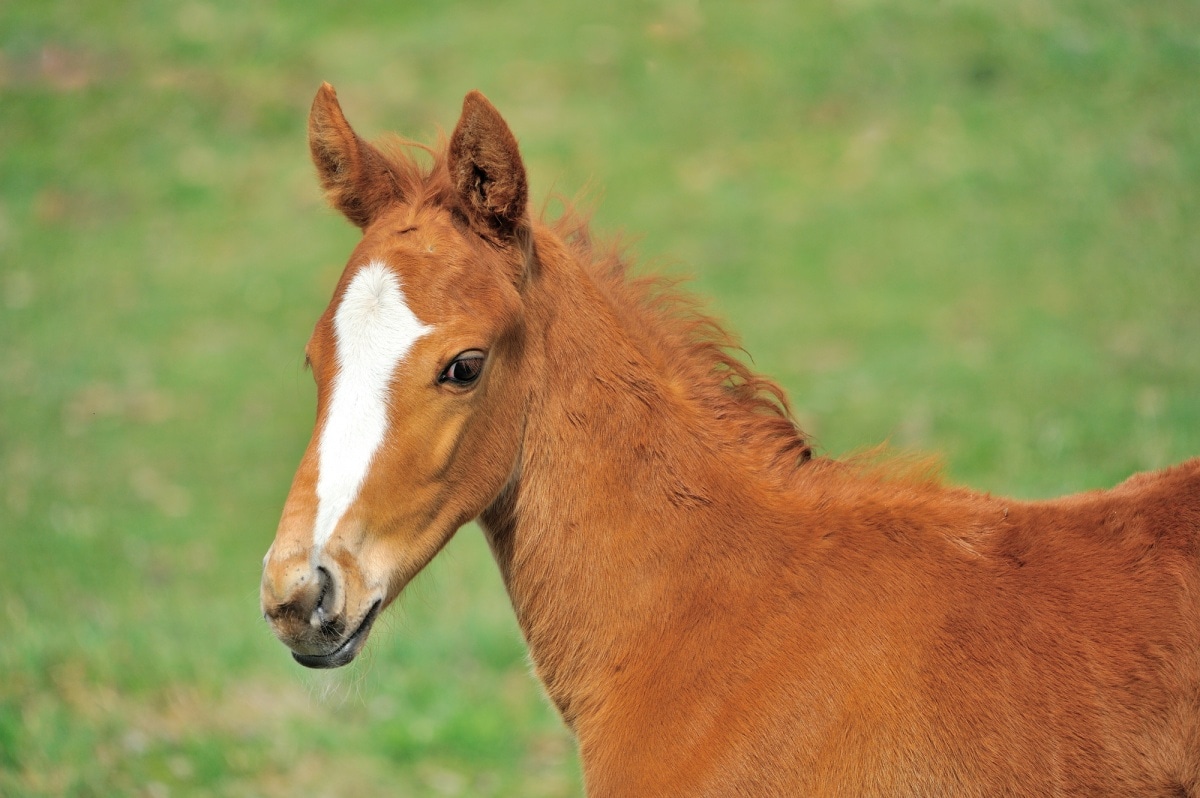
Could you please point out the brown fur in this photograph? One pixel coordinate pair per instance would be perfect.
(712, 611)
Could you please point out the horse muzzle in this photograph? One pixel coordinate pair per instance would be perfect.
(308, 611)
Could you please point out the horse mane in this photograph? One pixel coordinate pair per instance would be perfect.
(693, 348)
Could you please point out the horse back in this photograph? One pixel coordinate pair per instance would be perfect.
(1097, 597)
(1022, 648)
(1149, 523)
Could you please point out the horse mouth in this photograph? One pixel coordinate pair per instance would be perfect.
(349, 648)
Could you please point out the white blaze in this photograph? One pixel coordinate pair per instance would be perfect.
(373, 329)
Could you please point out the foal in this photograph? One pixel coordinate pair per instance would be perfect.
(712, 611)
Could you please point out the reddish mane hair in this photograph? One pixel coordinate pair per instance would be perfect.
(693, 347)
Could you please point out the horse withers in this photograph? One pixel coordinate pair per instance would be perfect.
(712, 610)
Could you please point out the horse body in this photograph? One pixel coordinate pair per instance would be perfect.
(716, 630)
(713, 611)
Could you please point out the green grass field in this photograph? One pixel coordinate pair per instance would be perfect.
(966, 227)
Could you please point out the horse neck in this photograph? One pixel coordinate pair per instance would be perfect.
(619, 496)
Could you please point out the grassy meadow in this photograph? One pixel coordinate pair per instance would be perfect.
(964, 227)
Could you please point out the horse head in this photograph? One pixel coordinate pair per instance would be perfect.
(419, 411)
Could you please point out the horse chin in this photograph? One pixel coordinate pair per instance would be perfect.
(345, 653)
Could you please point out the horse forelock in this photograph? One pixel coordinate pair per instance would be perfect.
(422, 180)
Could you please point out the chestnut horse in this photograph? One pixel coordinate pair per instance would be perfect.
(712, 610)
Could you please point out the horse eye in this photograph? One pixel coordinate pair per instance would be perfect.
(464, 369)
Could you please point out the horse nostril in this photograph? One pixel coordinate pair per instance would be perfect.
(325, 597)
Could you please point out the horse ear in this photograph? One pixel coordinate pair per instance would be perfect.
(356, 176)
(487, 171)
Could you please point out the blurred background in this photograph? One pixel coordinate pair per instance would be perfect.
(963, 227)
